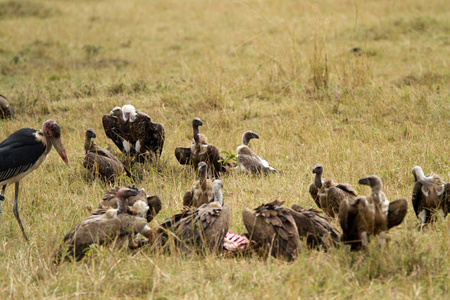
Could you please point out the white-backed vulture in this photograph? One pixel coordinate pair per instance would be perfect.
(248, 161)
(141, 204)
(133, 132)
(6, 110)
(329, 195)
(315, 228)
(197, 230)
(369, 215)
(273, 229)
(200, 150)
(101, 161)
(202, 190)
(430, 196)
(114, 227)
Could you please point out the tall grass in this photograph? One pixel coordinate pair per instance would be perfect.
(361, 94)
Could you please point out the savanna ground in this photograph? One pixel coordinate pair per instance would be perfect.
(361, 87)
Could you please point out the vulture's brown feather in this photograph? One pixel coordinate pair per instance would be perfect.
(201, 151)
(329, 195)
(430, 196)
(248, 161)
(134, 133)
(197, 230)
(273, 229)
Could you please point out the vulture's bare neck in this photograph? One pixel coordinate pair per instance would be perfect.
(318, 180)
(121, 205)
(196, 134)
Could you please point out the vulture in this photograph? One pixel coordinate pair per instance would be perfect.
(202, 191)
(197, 230)
(430, 196)
(200, 150)
(101, 161)
(315, 228)
(248, 161)
(369, 215)
(134, 133)
(6, 110)
(329, 195)
(273, 229)
(141, 204)
(114, 227)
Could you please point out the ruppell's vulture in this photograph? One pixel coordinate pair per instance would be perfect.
(202, 190)
(22, 152)
(273, 229)
(101, 161)
(369, 215)
(141, 204)
(6, 110)
(430, 196)
(248, 161)
(315, 228)
(200, 150)
(134, 133)
(113, 227)
(329, 195)
(197, 230)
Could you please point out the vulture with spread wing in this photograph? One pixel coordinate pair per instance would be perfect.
(134, 133)
(200, 150)
(369, 215)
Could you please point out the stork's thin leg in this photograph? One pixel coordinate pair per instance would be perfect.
(1, 199)
(16, 211)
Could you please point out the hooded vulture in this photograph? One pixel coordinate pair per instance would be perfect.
(6, 110)
(200, 150)
(100, 161)
(369, 215)
(329, 195)
(141, 204)
(134, 133)
(315, 228)
(273, 229)
(202, 191)
(248, 161)
(430, 195)
(197, 230)
(113, 227)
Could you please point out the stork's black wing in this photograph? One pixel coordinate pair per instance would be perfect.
(19, 152)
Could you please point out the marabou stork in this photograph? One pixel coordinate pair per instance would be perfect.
(23, 151)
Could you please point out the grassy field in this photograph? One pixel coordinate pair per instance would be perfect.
(361, 87)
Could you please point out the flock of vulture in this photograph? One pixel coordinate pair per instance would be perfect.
(122, 218)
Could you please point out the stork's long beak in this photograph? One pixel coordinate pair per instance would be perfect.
(57, 143)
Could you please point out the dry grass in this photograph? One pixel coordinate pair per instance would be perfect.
(381, 107)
